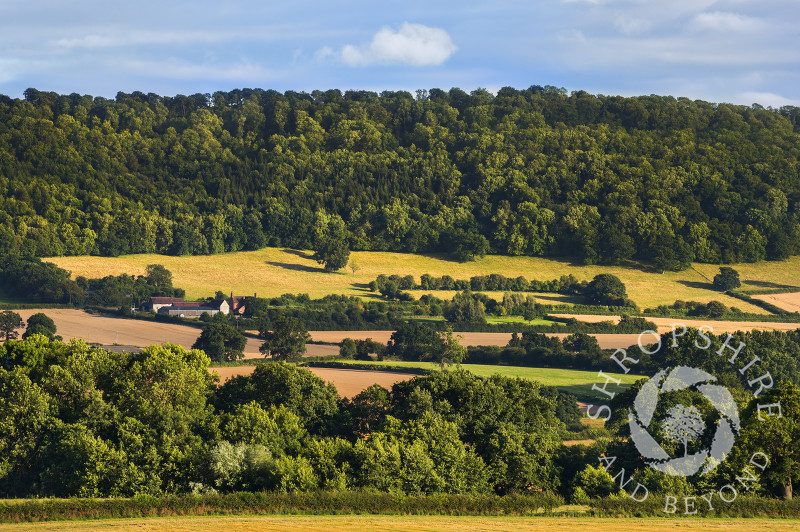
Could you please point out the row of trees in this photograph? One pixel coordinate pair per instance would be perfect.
(524, 172)
(80, 421)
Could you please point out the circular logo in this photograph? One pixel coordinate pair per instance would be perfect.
(683, 424)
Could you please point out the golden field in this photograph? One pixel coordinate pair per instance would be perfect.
(275, 271)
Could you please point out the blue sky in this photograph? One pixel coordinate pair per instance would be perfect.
(739, 51)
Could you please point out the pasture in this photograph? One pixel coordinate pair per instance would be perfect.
(275, 271)
(418, 523)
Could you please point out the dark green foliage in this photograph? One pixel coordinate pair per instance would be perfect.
(10, 321)
(727, 279)
(33, 280)
(525, 172)
(282, 384)
(464, 308)
(40, 323)
(330, 246)
(606, 289)
(286, 340)
(221, 342)
(415, 341)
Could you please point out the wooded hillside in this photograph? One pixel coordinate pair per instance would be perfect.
(530, 172)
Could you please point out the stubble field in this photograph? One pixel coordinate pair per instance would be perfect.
(411, 523)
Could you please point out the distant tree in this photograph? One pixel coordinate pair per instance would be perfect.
(9, 323)
(158, 276)
(353, 267)
(348, 348)
(415, 341)
(221, 342)
(286, 340)
(40, 323)
(606, 289)
(330, 246)
(727, 279)
(464, 308)
(451, 352)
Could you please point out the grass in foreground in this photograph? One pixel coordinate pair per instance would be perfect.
(411, 523)
(275, 271)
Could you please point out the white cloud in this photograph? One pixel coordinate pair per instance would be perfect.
(723, 21)
(136, 38)
(766, 99)
(632, 26)
(412, 44)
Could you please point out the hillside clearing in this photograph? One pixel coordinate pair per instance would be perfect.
(788, 301)
(271, 272)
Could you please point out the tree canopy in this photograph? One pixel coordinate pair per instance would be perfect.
(537, 172)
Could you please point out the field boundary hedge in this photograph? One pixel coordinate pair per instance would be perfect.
(363, 502)
(311, 503)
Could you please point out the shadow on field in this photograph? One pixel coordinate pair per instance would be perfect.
(767, 284)
(366, 292)
(301, 254)
(697, 284)
(295, 267)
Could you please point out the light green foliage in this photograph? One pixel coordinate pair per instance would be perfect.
(593, 481)
(276, 428)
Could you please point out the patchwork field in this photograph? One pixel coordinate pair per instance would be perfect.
(789, 301)
(411, 523)
(665, 324)
(275, 271)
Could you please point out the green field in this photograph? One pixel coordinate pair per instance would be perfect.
(275, 271)
(418, 523)
(569, 380)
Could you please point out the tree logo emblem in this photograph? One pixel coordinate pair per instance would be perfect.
(683, 424)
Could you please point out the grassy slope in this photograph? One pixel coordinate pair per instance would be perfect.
(275, 271)
(572, 381)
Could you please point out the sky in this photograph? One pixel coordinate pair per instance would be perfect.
(735, 51)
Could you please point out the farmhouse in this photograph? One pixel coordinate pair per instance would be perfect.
(175, 306)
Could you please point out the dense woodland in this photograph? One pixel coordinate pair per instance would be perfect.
(525, 172)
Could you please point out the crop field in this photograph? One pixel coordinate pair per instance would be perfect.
(413, 523)
(664, 325)
(788, 301)
(568, 380)
(348, 382)
(275, 271)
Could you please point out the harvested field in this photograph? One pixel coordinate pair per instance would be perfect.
(664, 324)
(106, 330)
(411, 523)
(348, 382)
(789, 302)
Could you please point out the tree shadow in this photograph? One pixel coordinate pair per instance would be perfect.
(767, 284)
(697, 284)
(366, 292)
(295, 267)
(299, 253)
